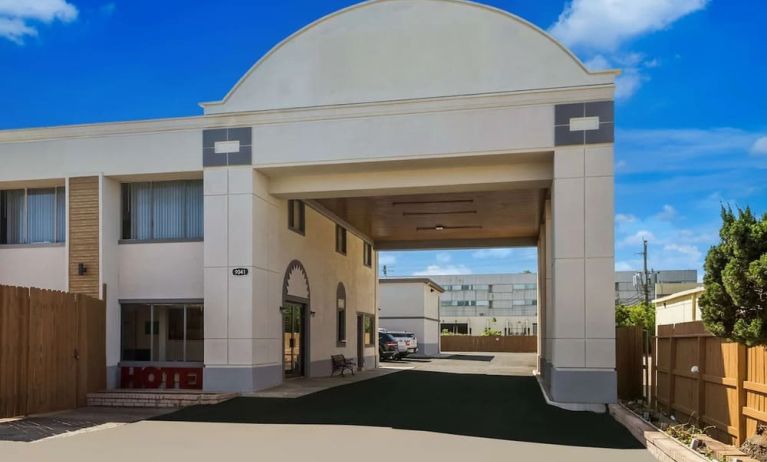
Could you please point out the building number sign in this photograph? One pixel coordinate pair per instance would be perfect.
(240, 272)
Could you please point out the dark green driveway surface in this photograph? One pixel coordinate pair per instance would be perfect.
(490, 406)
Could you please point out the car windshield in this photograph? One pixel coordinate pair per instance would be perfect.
(402, 335)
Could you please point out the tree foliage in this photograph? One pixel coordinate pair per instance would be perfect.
(641, 314)
(734, 302)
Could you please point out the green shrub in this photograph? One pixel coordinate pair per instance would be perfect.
(734, 302)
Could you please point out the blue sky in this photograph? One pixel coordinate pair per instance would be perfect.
(691, 111)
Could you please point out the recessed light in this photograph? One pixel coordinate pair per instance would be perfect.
(439, 227)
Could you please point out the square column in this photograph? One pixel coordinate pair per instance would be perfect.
(580, 358)
(242, 329)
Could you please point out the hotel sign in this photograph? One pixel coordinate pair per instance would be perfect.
(169, 378)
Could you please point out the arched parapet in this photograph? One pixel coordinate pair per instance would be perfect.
(392, 50)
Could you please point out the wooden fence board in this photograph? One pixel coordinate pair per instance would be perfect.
(14, 319)
(490, 344)
(629, 351)
(41, 332)
(729, 389)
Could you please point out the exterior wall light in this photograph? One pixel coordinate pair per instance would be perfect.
(81, 269)
(439, 228)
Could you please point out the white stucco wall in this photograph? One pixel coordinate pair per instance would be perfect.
(325, 268)
(171, 270)
(34, 266)
(246, 227)
(411, 306)
(86, 152)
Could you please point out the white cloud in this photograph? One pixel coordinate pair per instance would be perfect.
(386, 259)
(637, 238)
(436, 270)
(443, 257)
(17, 17)
(633, 68)
(689, 250)
(600, 28)
(667, 213)
(622, 218)
(605, 25)
(759, 146)
(663, 150)
(492, 253)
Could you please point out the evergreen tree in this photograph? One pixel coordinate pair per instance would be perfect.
(734, 303)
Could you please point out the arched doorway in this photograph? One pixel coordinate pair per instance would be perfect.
(295, 324)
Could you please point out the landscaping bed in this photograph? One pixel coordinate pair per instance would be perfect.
(656, 427)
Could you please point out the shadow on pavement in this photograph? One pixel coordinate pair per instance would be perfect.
(489, 406)
(482, 358)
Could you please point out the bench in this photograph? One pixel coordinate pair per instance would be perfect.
(340, 363)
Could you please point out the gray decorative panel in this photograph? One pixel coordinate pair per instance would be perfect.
(584, 123)
(227, 146)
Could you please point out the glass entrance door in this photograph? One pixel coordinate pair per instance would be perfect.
(293, 339)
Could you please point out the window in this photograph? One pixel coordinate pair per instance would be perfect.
(367, 329)
(162, 210)
(296, 216)
(367, 254)
(340, 239)
(454, 328)
(341, 314)
(31, 216)
(162, 332)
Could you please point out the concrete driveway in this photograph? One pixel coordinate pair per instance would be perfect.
(478, 408)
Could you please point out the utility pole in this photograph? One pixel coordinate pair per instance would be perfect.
(646, 274)
(646, 335)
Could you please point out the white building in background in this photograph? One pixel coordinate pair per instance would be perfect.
(629, 289)
(411, 305)
(238, 246)
(678, 307)
(506, 303)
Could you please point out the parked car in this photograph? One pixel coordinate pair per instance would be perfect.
(407, 343)
(387, 346)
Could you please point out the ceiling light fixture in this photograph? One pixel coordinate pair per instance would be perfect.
(455, 212)
(452, 201)
(443, 227)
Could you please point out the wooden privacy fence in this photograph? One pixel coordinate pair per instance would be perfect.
(52, 350)
(629, 366)
(494, 344)
(711, 381)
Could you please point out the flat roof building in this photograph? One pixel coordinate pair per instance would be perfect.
(412, 305)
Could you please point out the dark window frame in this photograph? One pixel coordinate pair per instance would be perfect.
(341, 241)
(341, 324)
(59, 222)
(299, 227)
(373, 336)
(127, 214)
(367, 254)
(151, 329)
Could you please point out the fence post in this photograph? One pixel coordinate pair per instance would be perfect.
(742, 371)
(671, 369)
(701, 405)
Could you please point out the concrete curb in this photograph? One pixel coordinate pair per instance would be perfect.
(659, 444)
(596, 408)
